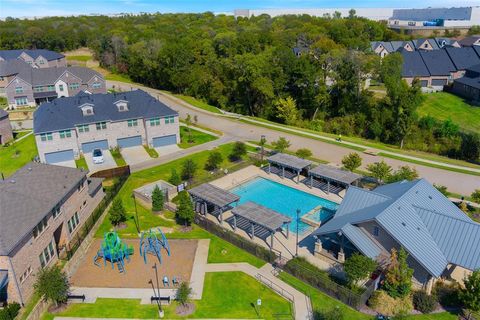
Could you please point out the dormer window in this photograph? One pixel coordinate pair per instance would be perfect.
(87, 109)
(122, 105)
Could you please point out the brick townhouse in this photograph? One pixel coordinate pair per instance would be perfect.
(41, 208)
(38, 58)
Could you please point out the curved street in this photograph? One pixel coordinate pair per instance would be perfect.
(234, 129)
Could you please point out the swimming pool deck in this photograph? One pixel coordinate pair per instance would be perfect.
(281, 243)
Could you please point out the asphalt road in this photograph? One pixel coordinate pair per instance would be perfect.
(234, 129)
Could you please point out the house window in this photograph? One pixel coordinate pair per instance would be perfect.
(154, 122)
(1, 78)
(170, 119)
(73, 223)
(18, 89)
(41, 61)
(47, 254)
(56, 211)
(96, 85)
(60, 87)
(22, 101)
(46, 136)
(38, 89)
(101, 125)
(50, 88)
(40, 227)
(376, 231)
(74, 86)
(83, 128)
(25, 275)
(132, 123)
(65, 134)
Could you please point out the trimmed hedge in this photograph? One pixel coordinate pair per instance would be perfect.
(423, 302)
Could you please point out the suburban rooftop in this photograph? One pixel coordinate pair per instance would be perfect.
(28, 196)
(66, 113)
(14, 54)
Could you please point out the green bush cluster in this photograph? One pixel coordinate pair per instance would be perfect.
(423, 302)
(10, 311)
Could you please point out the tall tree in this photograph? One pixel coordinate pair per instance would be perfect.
(281, 145)
(157, 199)
(287, 111)
(352, 161)
(189, 168)
(380, 170)
(398, 278)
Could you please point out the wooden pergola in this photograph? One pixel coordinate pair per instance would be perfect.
(208, 194)
(288, 161)
(332, 174)
(255, 215)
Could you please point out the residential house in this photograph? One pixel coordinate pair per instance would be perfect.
(462, 58)
(414, 68)
(5, 127)
(68, 127)
(440, 239)
(38, 58)
(42, 207)
(447, 42)
(26, 86)
(425, 44)
(439, 66)
(470, 41)
(468, 86)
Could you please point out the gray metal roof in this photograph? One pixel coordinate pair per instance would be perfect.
(463, 58)
(287, 160)
(261, 215)
(361, 241)
(214, 195)
(413, 65)
(430, 14)
(438, 62)
(15, 54)
(332, 173)
(29, 195)
(65, 113)
(400, 209)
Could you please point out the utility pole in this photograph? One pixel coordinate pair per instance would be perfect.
(296, 248)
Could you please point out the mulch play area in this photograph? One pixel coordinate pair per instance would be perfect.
(137, 274)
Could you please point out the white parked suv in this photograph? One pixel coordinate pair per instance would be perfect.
(97, 156)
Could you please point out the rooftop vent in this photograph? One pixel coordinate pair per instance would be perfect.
(430, 197)
(404, 224)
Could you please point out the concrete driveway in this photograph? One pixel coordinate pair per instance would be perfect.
(163, 151)
(134, 155)
(108, 161)
(68, 163)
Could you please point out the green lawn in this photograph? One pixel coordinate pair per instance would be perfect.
(17, 155)
(81, 163)
(118, 77)
(197, 137)
(197, 103)
(443, 105)
(83, 58)
(151, 151)
(220, 250)
(225, 295)
(117, 156)
(322, 302)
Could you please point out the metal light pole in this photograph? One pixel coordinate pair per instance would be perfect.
(136, 213)
(158, 286)
(296, 248)
(160, 311)
(262, 141)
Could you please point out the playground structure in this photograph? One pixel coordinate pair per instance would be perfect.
(113, 250)
(151, 244)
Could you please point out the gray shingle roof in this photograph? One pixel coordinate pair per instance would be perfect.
(438, 62)
(28, 196)
(289, 161)
(405, 211)
(48, 76)
(14, 54)
(413, 65)
(64, 113)
(12, 67)
(463, 58)
(469, 41)
(471, 82)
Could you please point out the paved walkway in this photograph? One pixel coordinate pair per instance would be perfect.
(234, 129)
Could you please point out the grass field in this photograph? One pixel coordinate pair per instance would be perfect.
(81, 163)
(197, 137)
(117, 156)
(225, 295)
(197, 103)
(17, 155)
(81, 58)
(151, 151)
(443, 105)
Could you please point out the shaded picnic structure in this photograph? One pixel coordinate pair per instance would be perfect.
(208, 198)
(259, 221)
(323, 176)
(281, 161)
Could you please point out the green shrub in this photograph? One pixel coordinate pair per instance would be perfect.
(117, 212)
(332, 314)
(52, 284)
(157, 199)
(383, 303)
(423, 302)
(10, 311)
(447, 294)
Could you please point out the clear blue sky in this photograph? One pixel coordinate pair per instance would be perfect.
(28, 8)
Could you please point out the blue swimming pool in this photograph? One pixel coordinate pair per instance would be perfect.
(285, 200)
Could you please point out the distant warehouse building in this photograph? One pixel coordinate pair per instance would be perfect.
(376, 14)
(435, 18)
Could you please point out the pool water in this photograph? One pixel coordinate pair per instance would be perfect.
(285, 200)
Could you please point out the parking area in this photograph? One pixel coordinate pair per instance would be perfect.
(108, 161)
(165, 150)
(134, 155)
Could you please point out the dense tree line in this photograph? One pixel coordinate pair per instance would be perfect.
(248, 66)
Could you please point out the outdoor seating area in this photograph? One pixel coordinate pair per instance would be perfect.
(287, 166)
(331, 179)
(259, 221)
(208, 198)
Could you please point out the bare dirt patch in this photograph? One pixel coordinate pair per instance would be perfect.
(137, 274)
